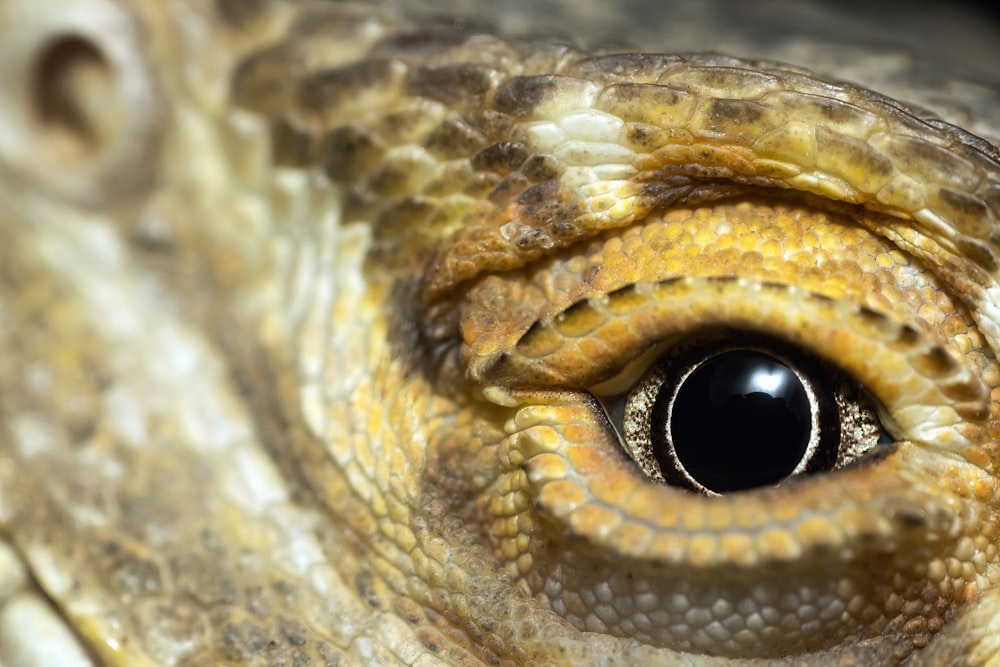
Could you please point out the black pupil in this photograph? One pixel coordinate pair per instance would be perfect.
(740, 420)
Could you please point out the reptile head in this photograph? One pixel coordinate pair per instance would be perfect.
(339, 337)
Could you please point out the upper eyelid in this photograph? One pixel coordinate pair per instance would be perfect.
(547, 356)
(838, 253)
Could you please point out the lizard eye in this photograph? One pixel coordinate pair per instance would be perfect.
(732, 412)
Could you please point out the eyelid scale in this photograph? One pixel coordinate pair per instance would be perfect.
(923, 371)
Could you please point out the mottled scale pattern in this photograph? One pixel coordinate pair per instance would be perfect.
(311, 313)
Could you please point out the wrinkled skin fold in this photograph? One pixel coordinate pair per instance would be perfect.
(309, 314)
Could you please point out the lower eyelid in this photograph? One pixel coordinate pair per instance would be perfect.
(567, 468)
(600, 483)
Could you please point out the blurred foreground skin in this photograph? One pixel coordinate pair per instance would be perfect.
(335, 334)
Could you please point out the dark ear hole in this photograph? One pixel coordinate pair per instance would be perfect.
(74, 96)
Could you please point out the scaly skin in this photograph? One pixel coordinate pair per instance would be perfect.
(302, 313)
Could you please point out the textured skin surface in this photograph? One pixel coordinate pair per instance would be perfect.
(303, 311)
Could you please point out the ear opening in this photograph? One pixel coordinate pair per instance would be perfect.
(80, 109)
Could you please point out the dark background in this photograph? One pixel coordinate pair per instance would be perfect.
(956, 34)
(941, 55)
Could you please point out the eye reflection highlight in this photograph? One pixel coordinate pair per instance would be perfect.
(752, 374)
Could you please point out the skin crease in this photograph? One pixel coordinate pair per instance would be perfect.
(303, 314)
